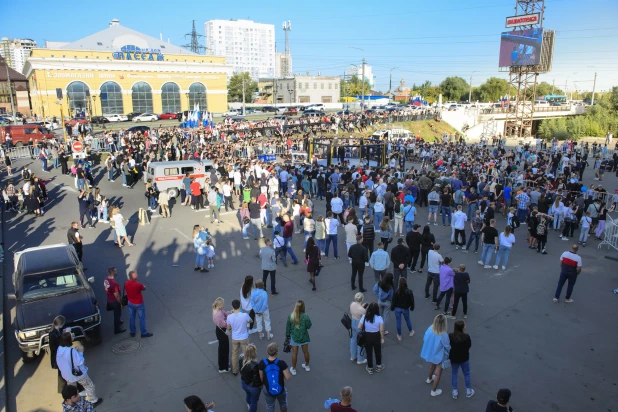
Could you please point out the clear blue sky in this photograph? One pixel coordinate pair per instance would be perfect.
(424, 40)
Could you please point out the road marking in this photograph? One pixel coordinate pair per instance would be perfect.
(504, 272)
(182, 234)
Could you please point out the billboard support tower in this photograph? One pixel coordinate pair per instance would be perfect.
(194, 46)
(287, 66)
(523, 78)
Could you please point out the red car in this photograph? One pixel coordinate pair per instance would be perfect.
(76, 120)
(291, 111)
(167, 116)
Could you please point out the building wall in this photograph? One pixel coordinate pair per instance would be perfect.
(16, 51)
(358, 72)
(48, 69)
(247, 45)
(316, 89)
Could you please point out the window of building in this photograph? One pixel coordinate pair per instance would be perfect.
(315, 85)
(170, 98)
(142, 97)
(306, 86)
(336, 86)
(197, 94)
(111, 99)
(303, 99)
(327, 99)
(330, 85)
(322, 86)
(76, 92)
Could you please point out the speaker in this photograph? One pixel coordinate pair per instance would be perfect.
(59, 93)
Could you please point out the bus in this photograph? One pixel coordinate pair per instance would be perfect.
(554, 98)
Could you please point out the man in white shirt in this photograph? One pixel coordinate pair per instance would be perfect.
(336, 205)
(459, 225)
(237, 181)
(227, 195)
(434, 260)
(237, 323)
(331, 224)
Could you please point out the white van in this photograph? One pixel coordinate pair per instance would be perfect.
(168, 175)
(541, 103)
(392, 134)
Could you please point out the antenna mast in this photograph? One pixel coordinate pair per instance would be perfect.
(287, 59)
(194, 46)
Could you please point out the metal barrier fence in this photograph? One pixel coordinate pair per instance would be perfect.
(610, 234)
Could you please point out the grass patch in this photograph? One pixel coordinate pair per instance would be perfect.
(421, 128)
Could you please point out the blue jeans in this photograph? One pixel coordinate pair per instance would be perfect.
(321, 243)
(81, 183)
(377, 220)
(472, 210)
(124, 178)
(488, 250)
(521, 215)
(355, 350)
(502, 251)
(406, 316)
(465, 369)
(476, 236)
(152, 202)
(409, 225)
(564, 278)
(276, 227)
(307, 236)
(199, 260)
(329, 239)
(110, 174)
(140, 310)
(102, 214)
(270, 400)
(446, 211)
(288, 249)
(56, 162)
(253, 395)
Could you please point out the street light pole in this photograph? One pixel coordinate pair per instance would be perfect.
(362, 79)
(470, 92)
(390, 80)
(243, 94)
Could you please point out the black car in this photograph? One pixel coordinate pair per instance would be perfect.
(99, 120)
(135, 129)
(269, 109)
(130, 116)
(49, 281)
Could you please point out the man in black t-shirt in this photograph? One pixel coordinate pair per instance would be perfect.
(489, 236)
(265, 366)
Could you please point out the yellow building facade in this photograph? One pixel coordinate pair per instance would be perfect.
(126, 75)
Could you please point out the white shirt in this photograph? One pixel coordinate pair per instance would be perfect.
(370, 327)
(507, 241)
(336, 204)
(459, 220)
(238, 323)
(237, 177)
(362, 202)
(331, 226)
(227, 190)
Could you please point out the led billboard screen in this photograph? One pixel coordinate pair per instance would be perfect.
(521, 48)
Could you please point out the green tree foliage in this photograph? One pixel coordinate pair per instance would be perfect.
(429, 92)
(491, 90)
(354, 87)
(455, 88)
(545, 88)
(234, 87)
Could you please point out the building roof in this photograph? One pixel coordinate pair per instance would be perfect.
(15, 75)
(116, 36)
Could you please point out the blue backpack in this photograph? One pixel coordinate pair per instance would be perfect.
(272, 377)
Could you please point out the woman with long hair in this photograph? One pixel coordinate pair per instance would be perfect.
(378, 210)
(386, 236)
(557, 212)
(121, 231)
(402, 304)
(312, 257)
(570, 220)
(602, 220)
(250, 378)
(459, 355)
(357, 310)
(398, 229)
(384, 289)
(245, 299)
(297, 330)
(435, 350)
(219, 317)
(308, 227)
(195, 404)
(373, 326)
(507, 240)
(427, 241)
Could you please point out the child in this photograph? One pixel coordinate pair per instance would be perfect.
(102, 216)
(20, 200)
(585, 222)
(259, 303)
(210, 253)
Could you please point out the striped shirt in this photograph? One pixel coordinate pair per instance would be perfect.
(570, 263)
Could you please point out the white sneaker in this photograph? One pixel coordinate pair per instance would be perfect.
(455, 393)
(487, 267)
(437, 392)
(293, 371)
(306, 367)
(503, 267)
(496, 267)
(456, 247)
(430, 380)
(361, 362)
(469, 393)
(480, 262)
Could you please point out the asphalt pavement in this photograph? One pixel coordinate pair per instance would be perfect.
(555, 357)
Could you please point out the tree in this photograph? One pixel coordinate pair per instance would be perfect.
(455, 88)
(491, 90)
(234, 87)
(429, 92)
(544, 88)
(354, 87)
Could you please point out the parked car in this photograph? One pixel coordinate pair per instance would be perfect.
(77, 120)
(312, 113)
(291, 111)
(282, 117)
(50, 281)
(315, 106)
(345, 112)
(238, 119)
(167, 116)
(99, 119)
(131, 115)
(24, 134)
(269, 109)
(117, 117)
(231, 112)
(145, 117)
(251, 111)
(140, 129)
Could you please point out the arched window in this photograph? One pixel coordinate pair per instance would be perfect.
(142, 97)
(111, 98)
(197, 94)
(170, 98)
(76, 91)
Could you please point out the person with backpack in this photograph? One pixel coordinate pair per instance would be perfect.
(357, 311)
(250, 380)
(402, 304)
(541, 232)
(273, 373)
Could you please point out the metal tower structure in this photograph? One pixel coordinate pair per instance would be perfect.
(287, 60)
(523, 79)
(194, 46)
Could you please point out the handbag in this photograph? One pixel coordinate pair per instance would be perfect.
(75, 372)
(361, 339)
(446, 362)
(346, 321)
(125, 298)
(287, 348)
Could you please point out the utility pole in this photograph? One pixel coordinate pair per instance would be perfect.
(470, 92)
(345, 96)
(363, 80)
(553, 85)
(594, 86)
(243, 94)
(8, 79)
